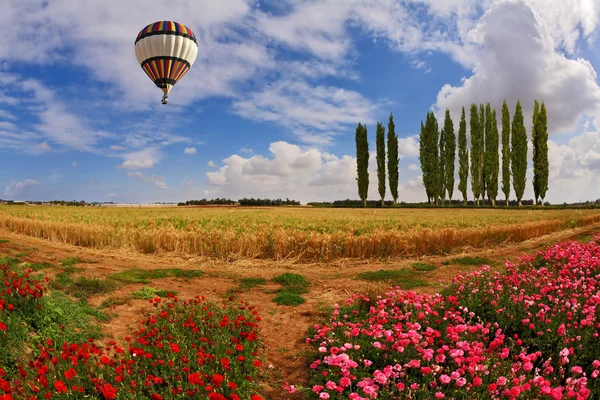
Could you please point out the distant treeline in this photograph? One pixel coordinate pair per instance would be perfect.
(205, 202)
(268, 202)
(377, 204)
(241, 202)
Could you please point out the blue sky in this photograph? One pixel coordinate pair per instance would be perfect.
(270, 106)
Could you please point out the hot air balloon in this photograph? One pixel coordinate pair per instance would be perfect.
(166, 50)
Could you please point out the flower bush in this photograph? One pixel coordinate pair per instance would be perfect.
(185, 349)
(530, 332)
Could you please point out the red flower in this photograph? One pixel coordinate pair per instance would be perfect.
(175, 348)
(156, 397)
(255, 397)
(70, 373)
(2, 326)
(217, 379)
(108, 391)
(257, 363)
(225, 363)
(60, 387)
(239, 347)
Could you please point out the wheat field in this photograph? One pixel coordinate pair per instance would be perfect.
(303, 234)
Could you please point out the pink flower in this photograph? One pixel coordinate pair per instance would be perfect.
(445, 379)
(439, 395)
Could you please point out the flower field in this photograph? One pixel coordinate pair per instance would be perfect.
(184, 349)
(528, 333)
(301, 234)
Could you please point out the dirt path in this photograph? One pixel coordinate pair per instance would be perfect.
(284, 328)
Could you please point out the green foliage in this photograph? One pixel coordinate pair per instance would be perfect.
(249, 283)
(482, 127)
(429, 156)
(492, 163)
(404, 278)
(542, 166)
(115, 301)
(286, 298)
(505, 151)
(519, 153)
(83, 287)
(4, 240)
(476, 150)
(148, 293)
(463, 156)
(392, 144)
(380, 145)
(290, 280)
(362, 162)
(135, 275)
(442, 165)
(450, 153)
(418, 266)
(37, 266)
(534, 144)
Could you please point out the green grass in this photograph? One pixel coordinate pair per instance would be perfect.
(21, 255)
(85, 287)
(4, 241)
(404, 278)
(148, 293)
(71, 269)
(114, 301)
(69, 262)
(286, 298)
(291, 280)
(468, 260)
(37, 266)
(249, 283)
(145, 276)
(423, 267)
(7, 260)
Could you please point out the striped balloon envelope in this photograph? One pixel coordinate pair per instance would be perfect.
(166, 50)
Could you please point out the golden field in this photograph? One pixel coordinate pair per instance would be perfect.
(302, 234)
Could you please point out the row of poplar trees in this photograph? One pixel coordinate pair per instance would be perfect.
(362, 160)
(438, 150)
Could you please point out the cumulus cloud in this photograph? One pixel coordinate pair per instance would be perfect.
(211, 164)
(142, 159)
(293, 172)
(190, 151)
(159, 181)
(413, 167)
(116, 148)
(246, 150)
(516, 59)
(21, 188)
(44, 146)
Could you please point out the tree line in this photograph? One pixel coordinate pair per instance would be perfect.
(241, 202)
(437, 155)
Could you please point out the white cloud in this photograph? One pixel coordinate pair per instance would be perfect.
(21, 188)
(517, 60)
(44, 146)
(159, 181)
(246, 150)
(314, 114)
(408, 147)
(74, 164)
(116, 148)
(304, 175)
(145, 158)
(211, 164)
(190, 151)
(413, 167)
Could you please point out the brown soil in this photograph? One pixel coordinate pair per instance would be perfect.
(284, 328)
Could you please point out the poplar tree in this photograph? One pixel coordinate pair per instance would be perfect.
(487, 134)
(442, 166)
(392, 144)
(492, 162)
(534, 144)
(543, 168)
(380, 144)
(519, 153)
(506, 151)
(463, 157)
(450, 154)
(482, 153)
(429, 156)
(362, 162)
(476, 149)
